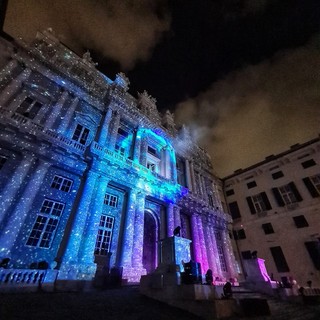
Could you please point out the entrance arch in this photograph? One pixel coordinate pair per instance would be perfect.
(150, 239)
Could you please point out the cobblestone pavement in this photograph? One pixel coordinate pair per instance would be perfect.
(121, 303)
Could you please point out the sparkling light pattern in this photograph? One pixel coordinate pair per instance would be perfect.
(88, 145)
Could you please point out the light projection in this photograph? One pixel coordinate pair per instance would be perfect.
(136, 163)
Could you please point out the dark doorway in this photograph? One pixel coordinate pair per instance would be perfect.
(149, 242)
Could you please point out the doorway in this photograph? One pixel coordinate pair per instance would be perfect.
(149, 259)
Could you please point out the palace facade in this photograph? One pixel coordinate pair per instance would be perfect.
(92, 177)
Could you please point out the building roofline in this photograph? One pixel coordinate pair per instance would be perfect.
(273, 157)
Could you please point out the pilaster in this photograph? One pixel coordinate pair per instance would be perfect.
(204, 261)
(64, 124)
(105, 128)
(170, 220)
(195, 239)
(114, 130)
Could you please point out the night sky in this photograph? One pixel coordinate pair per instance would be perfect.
(243, 74)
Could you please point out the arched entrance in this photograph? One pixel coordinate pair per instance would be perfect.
(149, 259)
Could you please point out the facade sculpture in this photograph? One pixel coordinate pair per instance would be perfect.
(91, 176)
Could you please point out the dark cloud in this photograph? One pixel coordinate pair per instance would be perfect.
(125, 31)
(259, 110)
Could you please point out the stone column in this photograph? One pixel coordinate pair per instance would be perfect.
(193, 182)
(204, 262)
(56, 110)
(18, 216)
(137, 250)
(177, 217)
(64, 124)
(86, 254)
(8, 195)
(195, 238)
(143, 153)
(137, 146)
(79, 223)
(173, 166)
(105, 128)
(14, 87)
(8, 69)
(114, 131)
(188, 176)
(127, 243)
(170, 220)
(210, 247)
(228, 253)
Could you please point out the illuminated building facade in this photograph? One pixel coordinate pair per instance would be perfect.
(91, 177)
(275, 206)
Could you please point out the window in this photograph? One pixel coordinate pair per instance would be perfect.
(104, 236)
(81, 134)
(234, 210)
(181, 172)
(308, 163)
(246, 255)
(210, 200)
(120, 149)
(111, 200)
(221, 254)
(279, 259)
(251, 184)
(29, 107)
(46, 223)
(3, 160)
(61, 183)
(300, 221)
(286, 194)
(122, 132)
(258, 203)
(313, 248)
(313, 185)
(229, 192)
(239, 234)
(151, 166)
(152, 151)
(267, 228)
(277, 175)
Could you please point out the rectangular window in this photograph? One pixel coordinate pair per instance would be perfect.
(152, 151)
(111, 200)
(61, 183)
(287, 194)
(3, 160)
(234, 210)
(258, 203)
(181, 172)
(29, 107)
(46, 223)
(81, 134)
(122, 132)
(279, 259)
(316, 181)
(277, 175)
(313, 185)
(251, 184)
(313, 248)
(246, 255)
(229, 192)
(300, 221)
(220, 249)
(308, 163)
(239, 234)
(120, 149)
(267, 228)
(104, 236)
(210, 200)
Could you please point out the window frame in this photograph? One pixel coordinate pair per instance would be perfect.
(104, 235)
(60, 185)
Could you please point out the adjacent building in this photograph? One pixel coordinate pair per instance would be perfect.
(92, 177)
(275, 206)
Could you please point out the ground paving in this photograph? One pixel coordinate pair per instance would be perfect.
(120, 303)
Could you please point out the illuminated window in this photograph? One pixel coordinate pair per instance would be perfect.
(120, 150)
(3, 160)
(29, 107)
(222, 259)
(111, 200)
(81, 134)
(104, 236)
(61, 183)
(46, 224)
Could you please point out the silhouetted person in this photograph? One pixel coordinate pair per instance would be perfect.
(227, 290)
(209, 277)
(177, 231)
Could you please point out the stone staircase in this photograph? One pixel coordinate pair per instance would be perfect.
(279, 309)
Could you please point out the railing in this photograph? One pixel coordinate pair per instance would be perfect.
(21, 277)
(27, 125)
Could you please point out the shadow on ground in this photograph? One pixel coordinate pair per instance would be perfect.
(121, 303)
